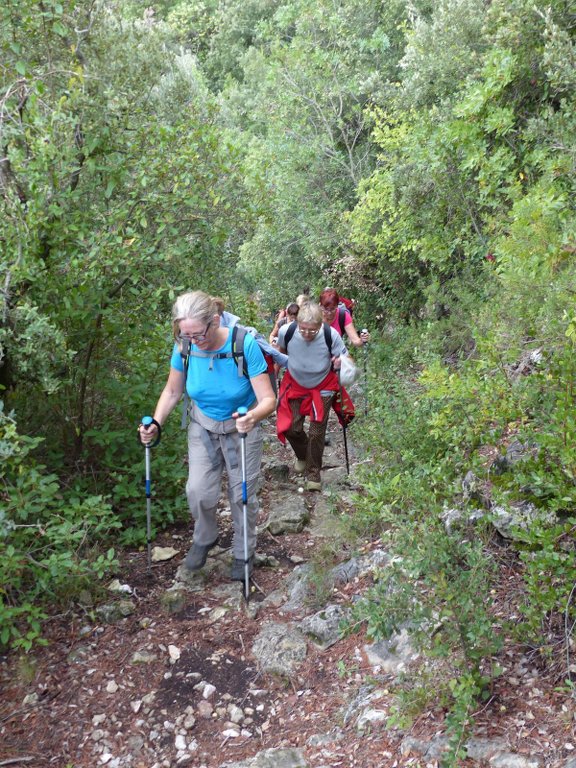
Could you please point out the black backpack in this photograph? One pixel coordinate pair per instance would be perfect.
(292, 329)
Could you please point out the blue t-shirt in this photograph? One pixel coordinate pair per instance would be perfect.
(214, 384)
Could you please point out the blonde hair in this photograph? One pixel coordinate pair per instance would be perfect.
(220, 305)
(310, 312)
(304, 298)
(195, 305)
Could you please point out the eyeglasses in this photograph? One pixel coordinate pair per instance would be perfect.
(309, 331)
(328, 310)
(194, 337)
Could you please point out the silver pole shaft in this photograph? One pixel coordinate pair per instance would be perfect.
(245, 515)
(148, 510)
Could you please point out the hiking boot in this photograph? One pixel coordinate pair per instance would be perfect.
(300, 465)
(197, 555)
(313, 485)
(237, 570)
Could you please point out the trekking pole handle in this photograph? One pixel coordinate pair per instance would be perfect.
(364, 330)
(146, 421)
(242, 411)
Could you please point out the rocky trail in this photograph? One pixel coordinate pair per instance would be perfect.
(175, 669)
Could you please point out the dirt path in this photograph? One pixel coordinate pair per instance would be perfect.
(55, 707)
(182, 686)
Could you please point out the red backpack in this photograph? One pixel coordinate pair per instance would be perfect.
(348, 304)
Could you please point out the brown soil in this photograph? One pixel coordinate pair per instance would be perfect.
(70, 678)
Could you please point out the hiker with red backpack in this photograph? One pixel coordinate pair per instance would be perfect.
(339, 317)
(309, 388)
(218, 392)
(349, 304)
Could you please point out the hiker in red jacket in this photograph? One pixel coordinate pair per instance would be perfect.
(310, 387)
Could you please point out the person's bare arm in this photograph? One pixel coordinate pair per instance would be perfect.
(355, 339)
(167, 401)
(266, 403)
(274, 332)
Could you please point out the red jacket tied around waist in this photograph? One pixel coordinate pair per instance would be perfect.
(312, 405)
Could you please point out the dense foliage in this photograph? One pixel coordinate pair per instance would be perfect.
(419, 156)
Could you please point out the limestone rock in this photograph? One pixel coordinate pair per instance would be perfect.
(174, 600)
(279, 649)
(288, 514)
(143, 657)
(159, 554)
(392, 656)
(519, 516)
(324, 627)
(370, 717)
(272, 758)
(110, 613)
(277, 470)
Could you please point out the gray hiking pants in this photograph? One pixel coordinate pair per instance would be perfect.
(212, 447)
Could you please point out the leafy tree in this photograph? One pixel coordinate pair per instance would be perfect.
(116, 191)
(451, 174)
(305, 87)
(443, 47)
(121, 196)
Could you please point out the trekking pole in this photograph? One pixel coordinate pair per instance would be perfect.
(365, 346)
(344, 425)
(147, 421)
(242, 412)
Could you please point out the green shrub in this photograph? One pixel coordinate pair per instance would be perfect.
(547, 553)
(52, 544)
(432, 419)
(439, 587)
(428, 421)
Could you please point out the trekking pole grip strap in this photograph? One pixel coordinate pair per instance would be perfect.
(146, 422)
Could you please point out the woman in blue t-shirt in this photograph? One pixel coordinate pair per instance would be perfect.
(216, 391)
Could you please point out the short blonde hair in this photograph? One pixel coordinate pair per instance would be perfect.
(304, 298)
(310, 312)
(195, 305)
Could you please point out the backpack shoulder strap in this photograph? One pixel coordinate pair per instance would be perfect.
(238, 335)
(237, 347)
(328, 337)
(342, 320)
(289, 333)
